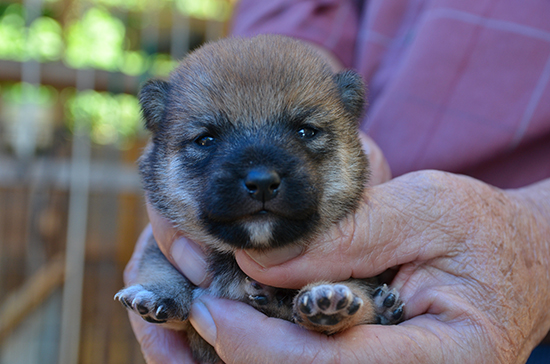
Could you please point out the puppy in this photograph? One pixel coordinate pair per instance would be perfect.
(254, 146)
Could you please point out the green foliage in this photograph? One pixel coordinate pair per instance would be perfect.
(45, 41)
(161, 65)
(201, 9)
(24, 94)
(100, 40)
(205, 9)
(12, 33)
(95, 41)
(42, 41)
(110, 119)
(134, 63)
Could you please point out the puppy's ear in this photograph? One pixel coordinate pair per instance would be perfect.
(152, 98)
(352, 91)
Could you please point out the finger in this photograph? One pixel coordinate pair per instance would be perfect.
(411, 218)
(184, 254)
(160, 345)
(273, 338)
(378, 165)
(243, 335)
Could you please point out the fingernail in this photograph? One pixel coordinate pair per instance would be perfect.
(275, 257)
(190, 260)
(202, 321)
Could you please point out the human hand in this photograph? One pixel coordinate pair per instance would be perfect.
(473, 273)
(160, 345)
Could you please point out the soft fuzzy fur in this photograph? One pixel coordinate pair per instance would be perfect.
(254, 145)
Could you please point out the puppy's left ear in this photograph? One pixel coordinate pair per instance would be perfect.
(352, 91)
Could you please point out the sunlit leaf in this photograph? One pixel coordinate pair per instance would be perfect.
(12, 36)
(134, 63)
(162, 65)
(95, 41)
(45, 42)
(110, 119)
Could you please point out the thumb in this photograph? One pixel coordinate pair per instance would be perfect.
(160, 345)
(240, 334)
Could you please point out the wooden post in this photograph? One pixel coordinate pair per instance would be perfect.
(34, 291)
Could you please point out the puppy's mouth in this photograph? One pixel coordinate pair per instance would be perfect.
(261, 228)
(257, 215)
(262, 213)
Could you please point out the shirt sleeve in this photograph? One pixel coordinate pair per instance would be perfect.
(331, 24)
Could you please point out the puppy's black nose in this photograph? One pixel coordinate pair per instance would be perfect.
(262, 183)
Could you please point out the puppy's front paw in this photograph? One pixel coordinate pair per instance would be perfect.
(152, 305)
(388, 306)
(327, 308)
(258, 294)
(275, 302)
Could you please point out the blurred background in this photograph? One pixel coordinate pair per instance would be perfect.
(71, 205)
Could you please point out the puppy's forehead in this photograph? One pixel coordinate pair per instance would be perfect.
(252, 79)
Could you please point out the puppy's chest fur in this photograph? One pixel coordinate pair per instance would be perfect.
(254, 145)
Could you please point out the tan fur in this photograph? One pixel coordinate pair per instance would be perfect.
(234, 110)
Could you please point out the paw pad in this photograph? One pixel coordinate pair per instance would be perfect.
(326, 305)
(389, 308)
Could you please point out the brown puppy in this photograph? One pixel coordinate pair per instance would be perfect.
(255, 145)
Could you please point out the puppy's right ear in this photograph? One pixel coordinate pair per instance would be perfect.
(152, 98)
(352, 91)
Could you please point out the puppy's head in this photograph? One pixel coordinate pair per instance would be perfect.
(254, 143)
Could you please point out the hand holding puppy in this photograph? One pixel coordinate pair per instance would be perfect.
(161, 345)
(473, 277)
(473, 274)
(464, 266)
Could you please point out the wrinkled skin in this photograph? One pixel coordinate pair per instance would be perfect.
(473, 270)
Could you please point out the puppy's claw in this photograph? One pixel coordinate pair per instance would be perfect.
(151, 306)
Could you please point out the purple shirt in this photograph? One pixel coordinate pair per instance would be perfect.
(455, 85)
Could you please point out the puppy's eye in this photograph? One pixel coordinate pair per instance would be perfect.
(307, 132)
(205, 140)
